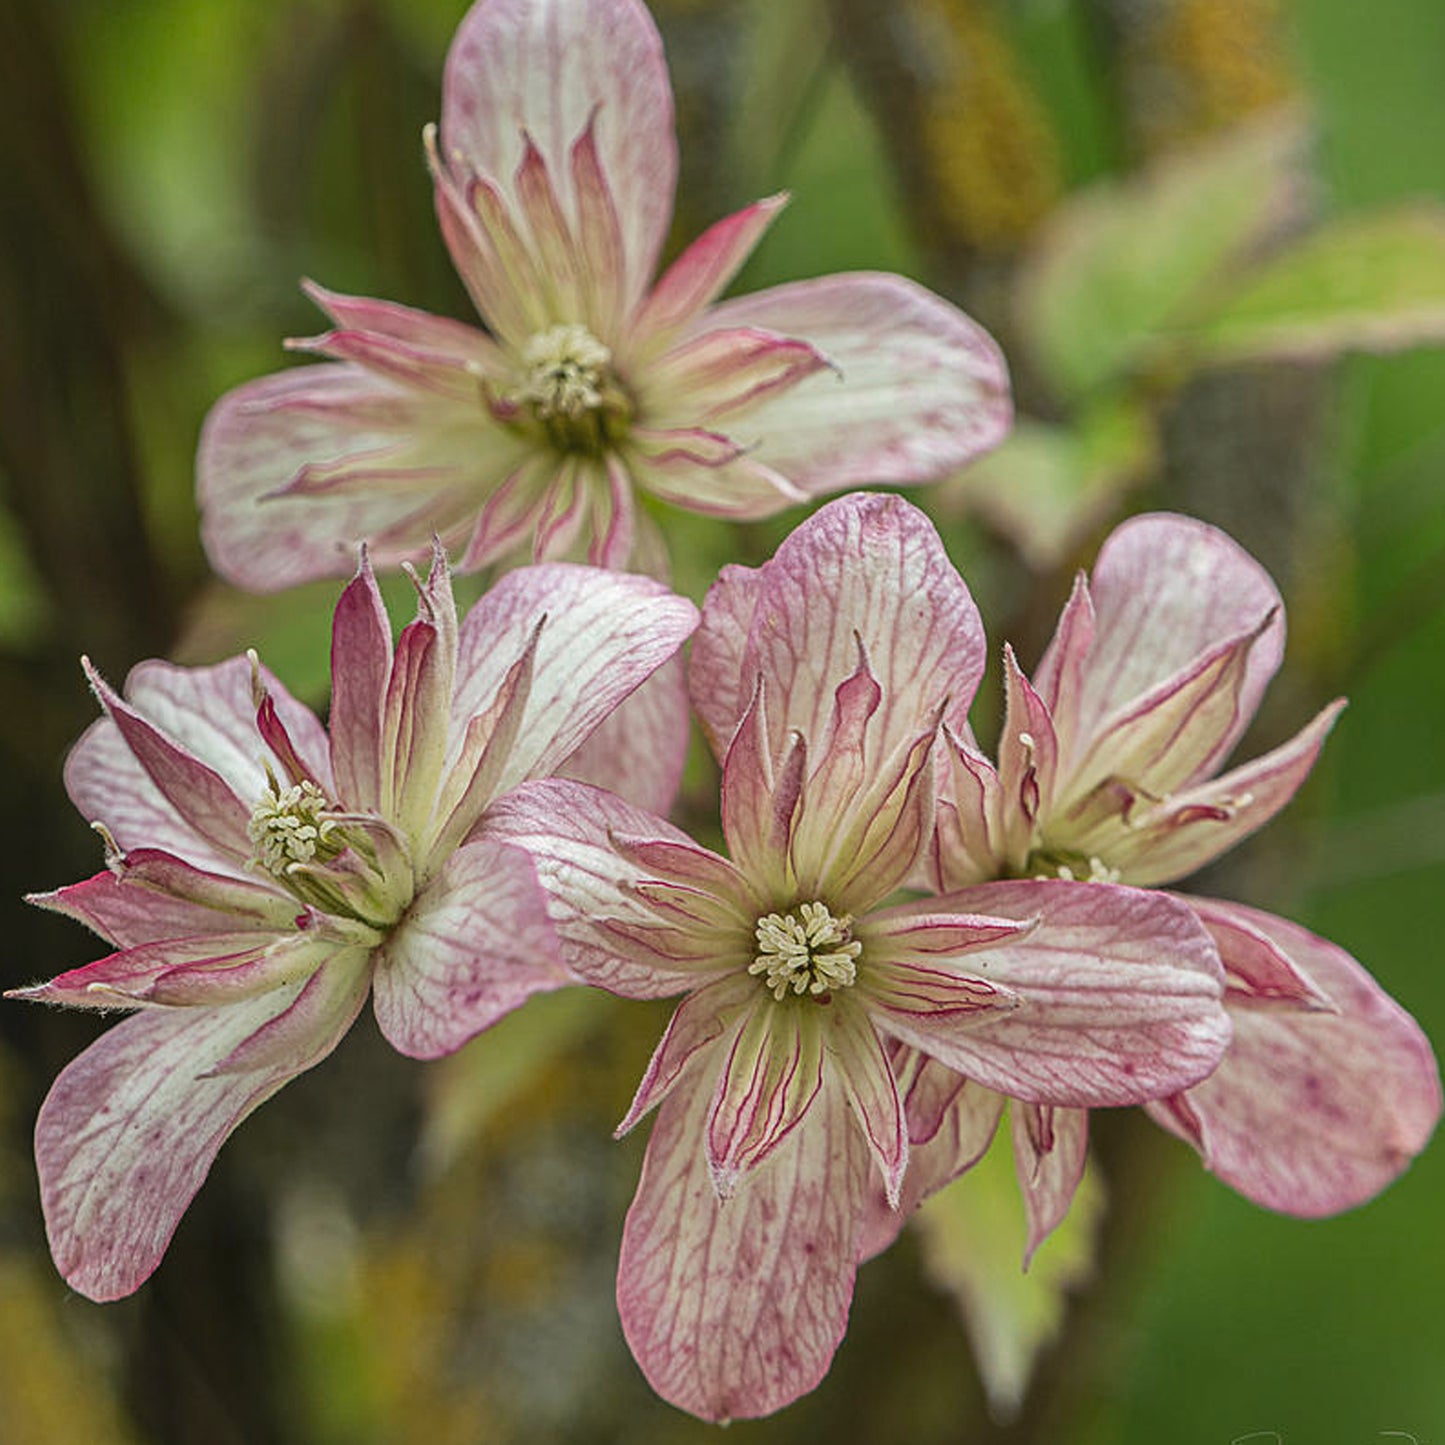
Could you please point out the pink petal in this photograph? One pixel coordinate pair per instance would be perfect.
(1193, 827)
(772, 1072)
(919, 390)
(760, 797)
(394, 461)
(128, 1131)
(717, 1010)
(708, 377)
(146, 895)
(861, 1059)
(968, 843)
(1119, 994)
(701, 272)
(1312, 1111)
(704, 471)
(1028, 761)
(604, 634)
(544, 69)
(639, 749)
(474, 945)
(734, 1309)
(462, 346)
(1051, 1147)
(616, 931)
(1165, 590)
(360, 669)
(866, 568)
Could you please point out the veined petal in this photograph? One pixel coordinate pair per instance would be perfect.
(734, 1309)
(861, 1059)
(360, 670)
(716, 1011)
(639, 749)
(700, 273)
(147, 895)
(1191, 828)
(512, 513)
(707, 472)
(1028, 758)
(474, 945)
(393, 459)
(1051, 1147)
(547, 69)
(771, 1074)
(604, 634)
(128, 1131)
(204, 800)
(760, 798)
(918, 388)
(1312, 1111)
(459, 345)
(968, 840)
(1059, 677)
(1118, 993)
(613, 932)
(1167, 589)
(708, 377)
(888, 584)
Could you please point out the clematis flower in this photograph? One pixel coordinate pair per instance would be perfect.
(823, 678)
(554, 173)
(264, 875)
(1109, 768)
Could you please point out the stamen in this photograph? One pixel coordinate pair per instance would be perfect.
(571, 390)
(814, 956)
(290, 825)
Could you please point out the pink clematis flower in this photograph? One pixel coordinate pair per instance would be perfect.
(822, 679)
(554, 174)
(1109, 768)
(263, 876)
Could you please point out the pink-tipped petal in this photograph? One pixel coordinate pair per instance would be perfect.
(861, 1059)
(393, 459)
(888, 583)
(613, 930)
(128, 1131)
(1118, 989)
(547, 70)
(604, 634)
(462, 346)
(705, 471)
(1051, 1147)
(701, 272)
(917, 388)
(1313, 1111)
(361, 655)
(1166, 589)
(474, 945)
(709, 377)
(969, 831)
(734, 1309)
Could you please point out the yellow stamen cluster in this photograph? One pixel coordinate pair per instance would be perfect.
(290, 825)
(813, 956)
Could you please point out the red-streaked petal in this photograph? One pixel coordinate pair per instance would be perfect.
(1312, 1111)
(1167, 589)
(455, 342)
(474, 945)
(360, 670)
(867, 568)
(968, 844)
(717, 681)
(709, 377)
(544, 69)
(1193, 827)
(716, 1011)
(772, 1071)
(296, 470)
(128, 1131)
(917, 389)
(1028, 757)
(1118, 994)
(734, 1309)
(707, 472)
(638, 750)
(1051, 1147)
(614, 932)
(760, 799)
(701, 272)
(605, 633)
(861, 1059)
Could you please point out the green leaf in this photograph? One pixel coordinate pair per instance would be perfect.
(1124, 262)
(973, 1244)
(1363, 283)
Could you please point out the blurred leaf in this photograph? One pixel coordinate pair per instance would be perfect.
(1124, 262)
(1047, 486)
(22, 598)
(1363, 283)
(973, 1242)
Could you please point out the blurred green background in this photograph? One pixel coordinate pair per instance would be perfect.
(392, 1253)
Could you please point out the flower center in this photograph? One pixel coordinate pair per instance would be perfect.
(813, 956)
(291, 825)
(572, 391)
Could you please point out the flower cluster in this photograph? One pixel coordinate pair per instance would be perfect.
(902, 936)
